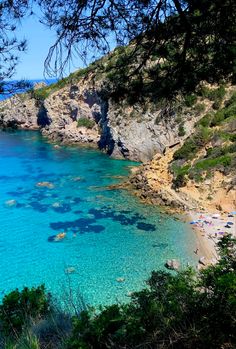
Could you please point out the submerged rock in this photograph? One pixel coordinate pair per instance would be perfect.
(10, 203)
(129, 294)
(56, 204)
(48, 185)
(172, 264)
(70, 270)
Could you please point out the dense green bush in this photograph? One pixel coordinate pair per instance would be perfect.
(213, 94)
(199, 108)
(19, 307)
(187, 151)
(205, 164)
(85, 122)
(232, 100)
(180, 175)
(223, 114)
(193, 144)
(190, 100)
(41, 93)
(181, 131)
(205, 121)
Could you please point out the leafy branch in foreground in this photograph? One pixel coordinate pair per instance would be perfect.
(11, 12)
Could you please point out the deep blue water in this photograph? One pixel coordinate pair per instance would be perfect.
(11, 86)
(109, 233)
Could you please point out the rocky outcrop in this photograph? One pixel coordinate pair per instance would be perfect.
(20, 111)
(135, 132)
(119, 129)
(65, 108)
(172, 264)
(152, 182)
(23, 111)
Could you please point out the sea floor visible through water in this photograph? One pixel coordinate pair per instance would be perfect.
(112, 240)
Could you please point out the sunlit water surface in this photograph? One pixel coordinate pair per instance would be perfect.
(110, 235)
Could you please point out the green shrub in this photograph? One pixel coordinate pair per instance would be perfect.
(190, 100)
(217, 94)
(227, 136)
(213, 94)
(199, 108)
(231, 148)
(181, 132)
(223, 114)
(217, 118)
(84, 122)
(18, 307)
(232, 137)
(230, 111)
(202, 136)
(187, 151)
(194, 144)
(231, 101)
(205, 121)
(41, 93)
(206, 164)
(204, 91)
(181, 173)
(219, 151)
(217, 104)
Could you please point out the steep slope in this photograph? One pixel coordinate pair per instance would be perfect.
(202, 171)
(89, 107)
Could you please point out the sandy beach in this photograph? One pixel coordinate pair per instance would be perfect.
(209, 228)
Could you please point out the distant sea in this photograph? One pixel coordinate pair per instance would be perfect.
(32, 82)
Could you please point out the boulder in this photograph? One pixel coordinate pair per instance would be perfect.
(172, 264)
(10, 203)
(70, 270)
(120, 279)
(202, 260)
(48, 185)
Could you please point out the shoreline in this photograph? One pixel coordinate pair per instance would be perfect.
(209, 228)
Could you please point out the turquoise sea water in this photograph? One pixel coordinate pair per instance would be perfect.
(109, 233)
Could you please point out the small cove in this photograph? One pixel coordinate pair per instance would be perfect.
(110, 235)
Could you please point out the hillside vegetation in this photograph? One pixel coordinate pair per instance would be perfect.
(212, 146)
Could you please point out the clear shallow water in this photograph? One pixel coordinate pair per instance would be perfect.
(110, 234)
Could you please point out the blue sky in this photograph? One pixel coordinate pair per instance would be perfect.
(39, 39)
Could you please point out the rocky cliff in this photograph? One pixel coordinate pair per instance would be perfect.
(83, 111)
(176, 139)
(200, 172)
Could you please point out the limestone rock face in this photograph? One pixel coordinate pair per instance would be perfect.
(65, 107)
(20, 111)
(120, 130)
(84, 112)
